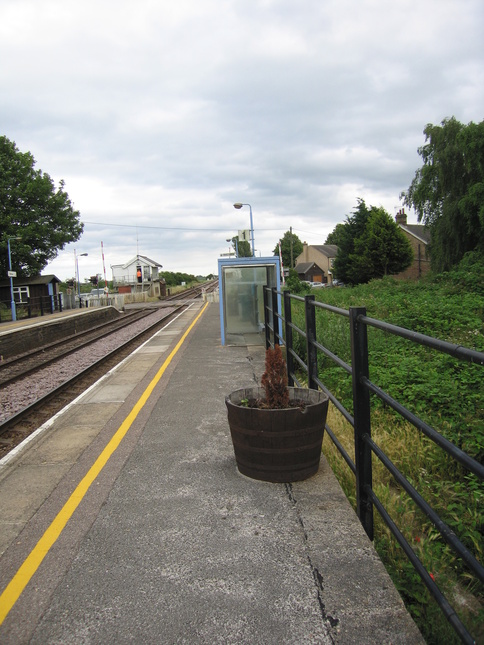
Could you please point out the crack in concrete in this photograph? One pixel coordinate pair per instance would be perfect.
(252, 366)
(318, 578)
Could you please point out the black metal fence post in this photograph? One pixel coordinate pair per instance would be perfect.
(312, 352)
(288, 338)
(275, 319)
(266, 317)
(362, 420)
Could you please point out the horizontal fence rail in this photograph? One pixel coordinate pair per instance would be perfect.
(31, 307)
(365, 447)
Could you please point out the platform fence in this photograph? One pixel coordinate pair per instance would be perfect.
(303, 368)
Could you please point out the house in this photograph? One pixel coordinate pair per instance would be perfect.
(419, 237)
(315, 263)
(139, 274)
(37, 295)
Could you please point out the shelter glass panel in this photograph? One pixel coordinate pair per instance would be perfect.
(244, 302)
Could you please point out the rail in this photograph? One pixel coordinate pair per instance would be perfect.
(280, 329)
(66, 380)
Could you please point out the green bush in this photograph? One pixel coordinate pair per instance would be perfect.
(446, 393)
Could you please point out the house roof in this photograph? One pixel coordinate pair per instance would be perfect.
(139, 258)
(419, 231)
(329, 250)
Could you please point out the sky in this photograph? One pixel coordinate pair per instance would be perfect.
(159, 115)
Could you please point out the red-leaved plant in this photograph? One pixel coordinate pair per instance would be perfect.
(274, 379)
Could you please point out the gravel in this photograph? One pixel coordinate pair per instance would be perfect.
(26, 391)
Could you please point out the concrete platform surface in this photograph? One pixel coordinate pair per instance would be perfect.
(167, 542)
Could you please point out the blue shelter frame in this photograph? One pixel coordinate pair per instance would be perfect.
(241, 290)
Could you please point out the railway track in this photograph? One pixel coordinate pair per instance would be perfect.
(41, 405)
(26, 372)
(21, 365)
(18, 424)
(194, 292)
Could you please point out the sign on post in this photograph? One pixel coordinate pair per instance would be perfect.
(244, 236)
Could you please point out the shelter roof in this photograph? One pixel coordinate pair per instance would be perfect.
(37, 279)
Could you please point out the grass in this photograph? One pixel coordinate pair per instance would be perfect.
(419, 460)
(447, 394)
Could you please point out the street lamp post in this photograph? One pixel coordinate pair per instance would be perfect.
(11, 276)
(236, 246)
(76, 257)
(239, 205)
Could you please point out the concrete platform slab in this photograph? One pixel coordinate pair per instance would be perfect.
(154, 349)
(20, 499)
(171, 544)
(91, 415)
(64, 446)
(110, 393)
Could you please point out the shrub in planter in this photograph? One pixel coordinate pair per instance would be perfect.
(277, 431)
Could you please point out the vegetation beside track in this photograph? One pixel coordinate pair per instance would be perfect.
(446, 393)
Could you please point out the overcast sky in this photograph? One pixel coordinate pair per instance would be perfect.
(160, 114)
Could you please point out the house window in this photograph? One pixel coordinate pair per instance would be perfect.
(146, 274)
(21, 295)
(331, 262)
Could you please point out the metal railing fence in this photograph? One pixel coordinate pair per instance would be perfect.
(32, 307)
(280, 329)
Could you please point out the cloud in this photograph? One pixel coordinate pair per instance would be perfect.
(160, 115)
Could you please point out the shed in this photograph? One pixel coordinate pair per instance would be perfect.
(309, 271)
(315, 263)
(38, 294)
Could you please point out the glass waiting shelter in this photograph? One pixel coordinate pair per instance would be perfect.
(241, 283)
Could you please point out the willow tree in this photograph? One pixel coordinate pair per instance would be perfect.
(447, 192)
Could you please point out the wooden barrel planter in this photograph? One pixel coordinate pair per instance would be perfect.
(277, 445)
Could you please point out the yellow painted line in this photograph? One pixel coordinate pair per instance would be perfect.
(30, 565)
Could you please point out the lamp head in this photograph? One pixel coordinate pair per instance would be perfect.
(238, 205)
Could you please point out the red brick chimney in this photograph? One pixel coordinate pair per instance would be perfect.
(401, 217)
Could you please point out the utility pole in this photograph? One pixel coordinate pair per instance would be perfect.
(292, 259)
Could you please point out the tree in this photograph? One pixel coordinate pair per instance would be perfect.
(370, 245)
(381, 250)
(295, 285)
(344, 236)
(447, 192)
(242, 247)
(174, 279)
(32, 208)
(291, 247)
(337, 236)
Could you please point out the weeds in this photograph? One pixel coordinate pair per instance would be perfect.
(445, 393)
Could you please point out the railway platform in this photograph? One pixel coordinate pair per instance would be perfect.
(125, 520)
